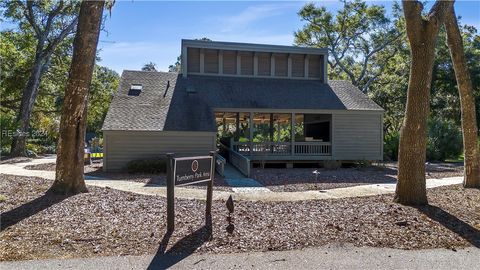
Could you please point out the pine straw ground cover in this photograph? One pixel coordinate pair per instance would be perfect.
(301, 179)
(110, 222)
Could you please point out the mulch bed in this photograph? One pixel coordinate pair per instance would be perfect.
(301, 179)
(109, 222)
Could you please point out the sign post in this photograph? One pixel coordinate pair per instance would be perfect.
(184, 171)
(170, 194)
(208, 209)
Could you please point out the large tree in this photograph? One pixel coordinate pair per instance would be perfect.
(422, 32)
(51, 22)
(354, 37)
(69, 169)
(467, 101)
(150, 66)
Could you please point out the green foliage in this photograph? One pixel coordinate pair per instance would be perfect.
(150, 66)
(353, 36)
(444, 140)
(390, 146)
(147, 166)
(104, 83)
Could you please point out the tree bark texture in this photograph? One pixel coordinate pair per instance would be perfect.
(467, 101)
(69, 170)
(422, 34)
(28, 100)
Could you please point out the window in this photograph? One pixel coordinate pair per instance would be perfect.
(135, 90)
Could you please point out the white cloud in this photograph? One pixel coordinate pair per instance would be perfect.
(250, 15)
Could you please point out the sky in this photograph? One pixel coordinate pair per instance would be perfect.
(138, 32)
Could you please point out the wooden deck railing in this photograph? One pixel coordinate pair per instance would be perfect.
(283, 148)
(313, 148)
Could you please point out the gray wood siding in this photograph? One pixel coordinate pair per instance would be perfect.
(314, 66)
(229, 62)
(246, 63)
(264, 64)
(281, 65)
(298, 65)
(211, 61)
(193, 60)
(357, 136)
(124, 146)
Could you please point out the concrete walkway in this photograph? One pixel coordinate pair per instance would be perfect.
(241, 184)
(200, 194)
(339, 257)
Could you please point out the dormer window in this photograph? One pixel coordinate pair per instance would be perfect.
(135, 90)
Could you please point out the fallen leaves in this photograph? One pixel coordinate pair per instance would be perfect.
(111, 222)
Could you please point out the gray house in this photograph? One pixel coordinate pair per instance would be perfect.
(254, 103)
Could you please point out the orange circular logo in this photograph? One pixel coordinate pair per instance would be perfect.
(194, 165)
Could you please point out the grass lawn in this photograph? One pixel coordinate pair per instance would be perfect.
(110, 222)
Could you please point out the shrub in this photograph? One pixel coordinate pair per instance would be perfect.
(390, 146)
(147, 166)
(444, 140)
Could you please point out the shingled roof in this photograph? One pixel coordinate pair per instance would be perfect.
(187, 104)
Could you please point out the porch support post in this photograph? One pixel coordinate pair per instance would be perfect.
(293, 134)
(250, 125)
(237, 127)
(271, 132)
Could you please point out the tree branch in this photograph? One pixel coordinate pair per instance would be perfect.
(68, 30)
(52, 15)
(30, 15)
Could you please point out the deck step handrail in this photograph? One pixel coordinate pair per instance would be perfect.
(241, 162)
(220, 164)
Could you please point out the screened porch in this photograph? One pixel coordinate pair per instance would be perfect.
(275, 136)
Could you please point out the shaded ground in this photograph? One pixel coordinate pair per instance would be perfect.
(110, 222)
(9, 160)
(301, 179)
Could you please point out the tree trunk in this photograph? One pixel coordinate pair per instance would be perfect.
(422, 35)
(467, 101)
(28, 100)
(69, 169)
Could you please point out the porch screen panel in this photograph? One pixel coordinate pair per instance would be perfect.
(281, 65)
(299, 128)
(229, 62)
(298, 65)
(246, 63)
(282, 127)
(193, 55)
(261, 127)
(264, 64)
(314, 66)
(211, 61)
(226, 126)
(244, 127)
